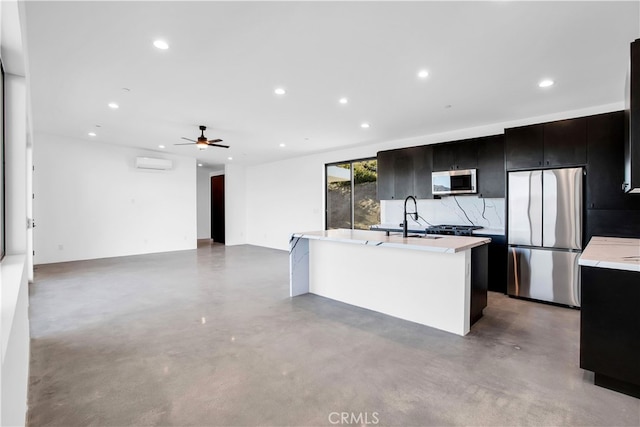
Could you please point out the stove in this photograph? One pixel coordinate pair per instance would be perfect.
(452, 230)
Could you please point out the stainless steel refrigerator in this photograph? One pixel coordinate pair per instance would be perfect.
(545, 234)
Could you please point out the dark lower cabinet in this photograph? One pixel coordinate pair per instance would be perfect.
(479, 282)
(610, 328)
(497, 262)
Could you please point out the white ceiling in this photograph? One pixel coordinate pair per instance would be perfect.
(226, 58)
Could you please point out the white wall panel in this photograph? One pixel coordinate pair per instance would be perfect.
(91, 202)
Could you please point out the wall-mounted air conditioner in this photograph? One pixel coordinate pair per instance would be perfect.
(152, 163)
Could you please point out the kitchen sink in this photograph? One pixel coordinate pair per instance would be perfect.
(424, 236)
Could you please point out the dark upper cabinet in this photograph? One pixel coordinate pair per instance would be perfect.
(405, 172)
(455, 155)
(605, 163)
(524, 147)
(403, 168)
(491, 173)
(386, 174)
(422, 167)
(554, 144)
(565, 142)
(466, 154)
(444, 157)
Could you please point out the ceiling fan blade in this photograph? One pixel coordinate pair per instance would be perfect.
(188, 143)
(192, 140)
(215, 140)
(218, 145)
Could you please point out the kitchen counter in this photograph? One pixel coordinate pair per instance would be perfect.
(433, 243)
(612, 252)
(437, 281)
(609, 327)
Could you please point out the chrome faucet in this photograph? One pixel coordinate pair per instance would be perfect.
(415, 213)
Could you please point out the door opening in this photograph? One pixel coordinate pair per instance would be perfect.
(217, 208)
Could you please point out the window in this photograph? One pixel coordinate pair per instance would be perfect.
(352, 200)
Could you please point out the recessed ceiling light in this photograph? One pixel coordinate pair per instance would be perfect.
(546, 83)
(423, 74)
(113, 105)
(365, 125)
(161, 44)
(92, 134)
(229, 158)
(282, 145)
(160, 146)
(343, 100)
(199, 165)
(279, 91)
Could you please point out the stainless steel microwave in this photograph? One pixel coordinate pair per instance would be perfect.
(454, 182)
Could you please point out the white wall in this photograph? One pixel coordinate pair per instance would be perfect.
(14, 268)
(288, 196)
(91, 202)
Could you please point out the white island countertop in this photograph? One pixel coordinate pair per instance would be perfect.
(432, 243)
(612, 252)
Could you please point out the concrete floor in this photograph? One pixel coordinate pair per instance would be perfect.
(210, 337)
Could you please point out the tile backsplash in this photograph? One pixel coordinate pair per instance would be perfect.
(457, 210)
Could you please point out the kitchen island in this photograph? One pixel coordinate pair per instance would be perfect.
(437, 281)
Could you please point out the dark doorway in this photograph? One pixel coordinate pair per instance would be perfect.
(217, 208)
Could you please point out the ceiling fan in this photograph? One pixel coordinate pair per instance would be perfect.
(202, 142)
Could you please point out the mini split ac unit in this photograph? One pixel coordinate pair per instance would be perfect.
(151, 163)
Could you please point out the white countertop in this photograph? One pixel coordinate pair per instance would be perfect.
(612, 252)
(446, 244)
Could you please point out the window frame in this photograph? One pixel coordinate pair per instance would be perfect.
(326, 188)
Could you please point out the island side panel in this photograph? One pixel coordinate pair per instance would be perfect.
(298, 266)
(429, 288)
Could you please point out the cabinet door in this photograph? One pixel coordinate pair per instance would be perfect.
(605, 160)
(565, 142)
(444, 156)
(605, 172)
(497, 262)
(524, 147)
(422, 160)
(386, 175)
(466, 154)
(491, 173)
(609, 326)
(403, 168)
